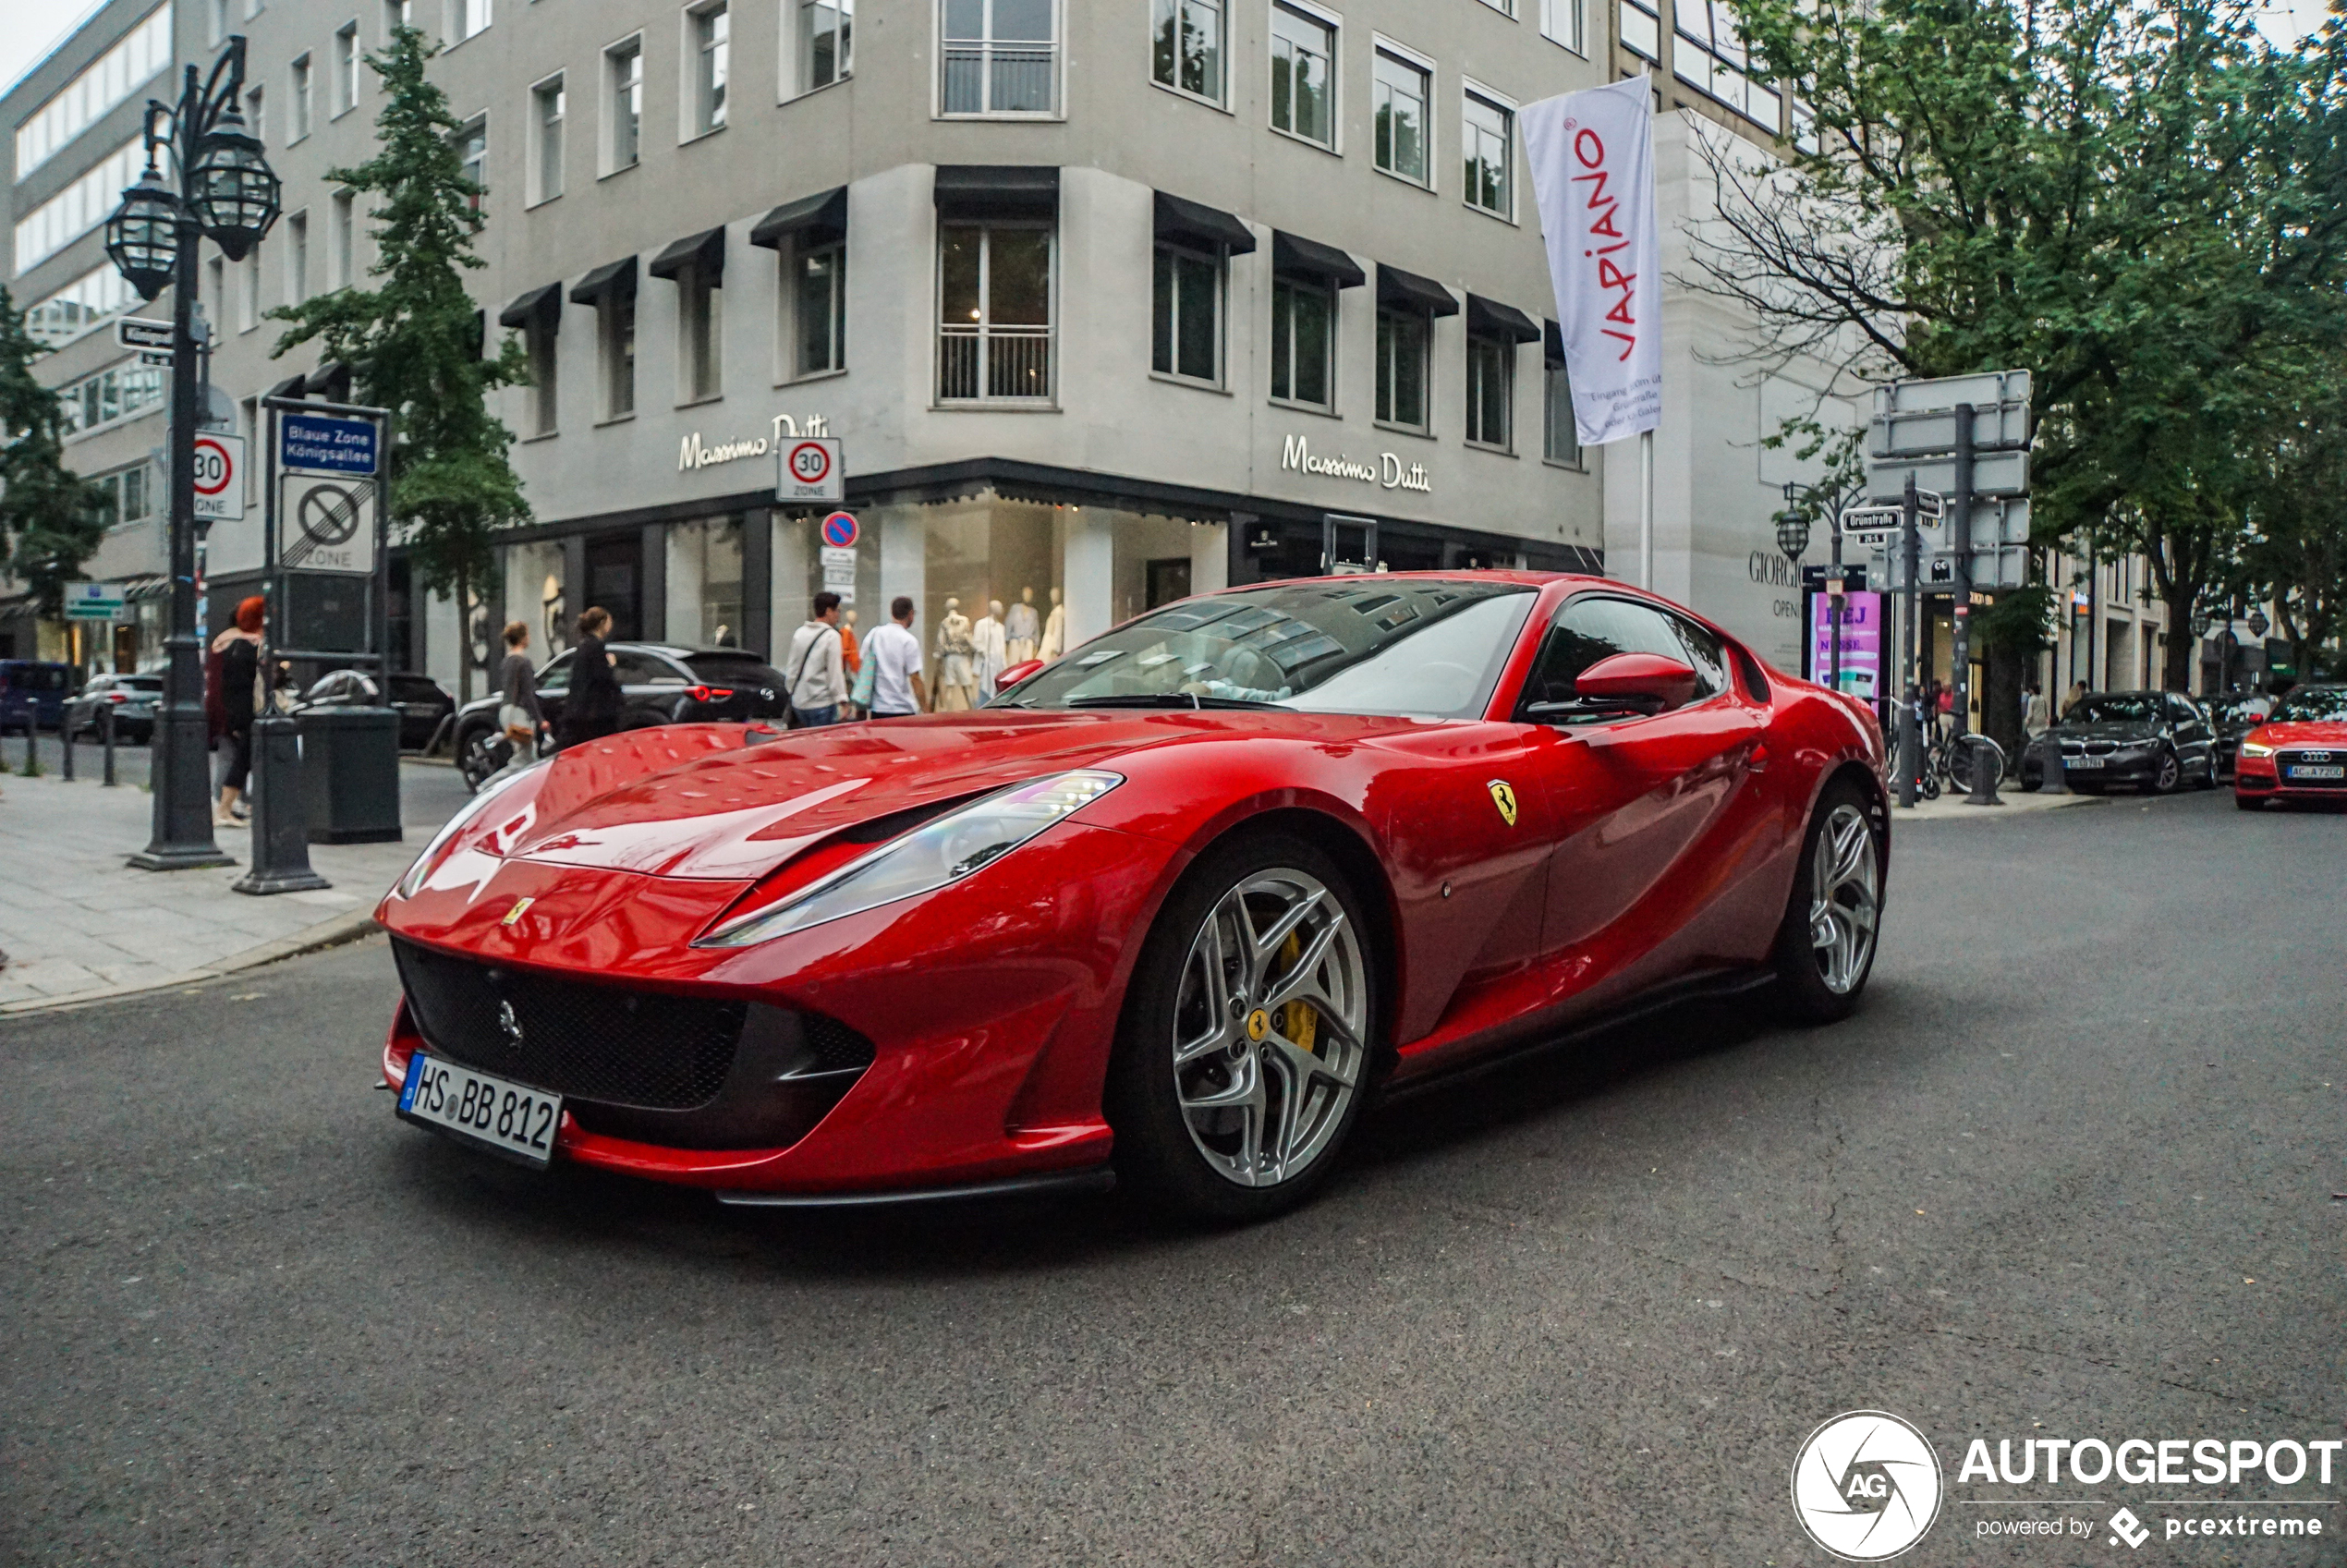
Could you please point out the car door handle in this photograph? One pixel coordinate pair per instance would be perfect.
(1757, 761)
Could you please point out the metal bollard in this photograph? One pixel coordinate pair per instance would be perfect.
(280, 823)
(1988, 765)
(106, 735)
(65, 743)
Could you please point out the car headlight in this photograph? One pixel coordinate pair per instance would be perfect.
(932, 855)
(2255, 748)
(408, 885)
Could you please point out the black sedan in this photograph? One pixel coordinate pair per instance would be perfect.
(422, 701)
(2153, 740)
(2235, 716)
(134, 699)
(660, 684)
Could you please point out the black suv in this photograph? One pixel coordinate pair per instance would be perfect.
(659, 683)
(2158, 740)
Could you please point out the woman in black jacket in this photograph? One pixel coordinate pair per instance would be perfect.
(592, 708)
(239, 651)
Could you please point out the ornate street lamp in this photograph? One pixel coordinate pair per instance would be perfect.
(1793, 534)
(205, 177)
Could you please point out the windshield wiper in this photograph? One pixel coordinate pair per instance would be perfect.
(1168, 700)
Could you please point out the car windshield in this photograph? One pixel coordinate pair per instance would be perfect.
(414, 688)
(2240, 709)
(2313, 703)
(140, 683)
(1424, 648)
(2116, 708)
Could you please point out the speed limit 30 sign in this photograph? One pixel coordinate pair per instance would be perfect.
(220, 479)
(811, 471)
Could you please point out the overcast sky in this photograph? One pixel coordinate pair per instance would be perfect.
(29, 28)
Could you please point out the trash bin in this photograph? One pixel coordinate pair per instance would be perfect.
(350, 775)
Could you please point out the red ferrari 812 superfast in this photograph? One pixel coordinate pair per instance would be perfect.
(1170, 909)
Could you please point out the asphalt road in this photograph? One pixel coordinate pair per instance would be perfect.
(2072, 1164)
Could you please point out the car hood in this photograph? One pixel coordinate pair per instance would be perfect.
(693, 801)
(2117, 729)
(2303, 732)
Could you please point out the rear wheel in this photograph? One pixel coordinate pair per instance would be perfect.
(1247, 1042)
(1826, 946)
(481, 752)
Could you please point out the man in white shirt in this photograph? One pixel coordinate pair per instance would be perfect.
(895, 653)
(818, 673)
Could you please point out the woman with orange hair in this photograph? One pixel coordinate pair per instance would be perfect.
(237, 653)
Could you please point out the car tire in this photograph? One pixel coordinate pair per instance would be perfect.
(2168, 774)
(478, 756)
(1210, 1055)
(1819, 982)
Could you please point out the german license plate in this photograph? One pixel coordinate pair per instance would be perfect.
(2319, 770)
(2087, 762)
(511, 1119)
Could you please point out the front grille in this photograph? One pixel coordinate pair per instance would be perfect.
(2286, 760)
(600, 1042)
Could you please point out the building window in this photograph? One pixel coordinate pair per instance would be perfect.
(216, 280)
(700, 334)
(249, 290)
(345, 68)
(999, 57)
(396, 15)
(116, 76)
(538, 342)
(1303, 341)
(624, 69)
(1487, 146)
(297, 258)
(1403, 337)
(467, 17)
(711, 33)
(76, 209)
(1566, 22)
(1560, 438)
(826, 42)
(257, 114)
(80, 306)
(1641, 31)
(297, 101)
(1302, 76)
(995, 318)
(341, 240)
(472, 158)
(547, 168)
(1708, 55)
(1805, 126)
(1186, 315)
(216, 21)
(112, 395)
(819, 301)
(1186, 47)
(1491, 390)
(615, 324)
(127, 496)
(1399, 89)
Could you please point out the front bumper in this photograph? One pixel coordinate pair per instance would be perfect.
(2261, 778)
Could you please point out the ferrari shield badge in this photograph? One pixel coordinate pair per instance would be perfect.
(521, 905)
(1504, 797)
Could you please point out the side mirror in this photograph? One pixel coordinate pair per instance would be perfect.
(1016, 673)
(1647, 682)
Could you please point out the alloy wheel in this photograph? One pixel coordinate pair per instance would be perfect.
(1844, 898)
(1271, 1023)
(2170, 774)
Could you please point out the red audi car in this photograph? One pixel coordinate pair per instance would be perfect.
(1166, 912)
(2299, 753)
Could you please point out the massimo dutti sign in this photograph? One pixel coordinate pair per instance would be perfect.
(694, 452)
(1387, 470)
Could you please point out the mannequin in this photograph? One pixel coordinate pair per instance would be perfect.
(993, 648)
(957, 663)
(851, 653)
(1020, 628)
(1055, 630)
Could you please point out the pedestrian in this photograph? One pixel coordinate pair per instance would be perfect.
(818, 682)
(2036, 714)
(2075, 696)
(238, 650)
(1945, 705)
(518, 712)
(591, 709)
(897, 688)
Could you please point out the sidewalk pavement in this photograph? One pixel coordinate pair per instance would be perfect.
(77, 925)
(2014, 803)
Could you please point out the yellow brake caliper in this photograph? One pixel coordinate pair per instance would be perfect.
(1299, 1021)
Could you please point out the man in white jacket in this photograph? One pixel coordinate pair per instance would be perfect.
(818, 673)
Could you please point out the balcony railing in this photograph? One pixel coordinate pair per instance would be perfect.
(1000, 79)
(989, 363)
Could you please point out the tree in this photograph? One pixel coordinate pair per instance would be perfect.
(414, 342)
(2297, 549)
(2136, 203)
(50, 518)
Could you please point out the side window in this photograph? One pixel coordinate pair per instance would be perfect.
(2181, 709)
(1706, 657)
(1595, 628)
(647, 669)
(555, 677)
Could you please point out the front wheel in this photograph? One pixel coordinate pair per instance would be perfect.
(1826, 946)
(2168, 774)
(1247, 1039)
(480, 753)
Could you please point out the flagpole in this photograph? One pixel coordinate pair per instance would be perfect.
(1646, 510)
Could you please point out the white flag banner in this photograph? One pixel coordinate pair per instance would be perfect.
(1592, 159)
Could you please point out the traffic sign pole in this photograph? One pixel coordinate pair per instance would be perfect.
(1911, 651)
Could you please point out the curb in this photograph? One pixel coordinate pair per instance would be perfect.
(354, 925)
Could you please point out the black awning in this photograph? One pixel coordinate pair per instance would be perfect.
(1553, 341)
(998, 191)
(541, 306)
(333, 377)
(820, 219)
(1489, 318)
(705, 253)
(1295, 256)
(292, 386)
(1412, 292)
(1193, 223)
(614, 280)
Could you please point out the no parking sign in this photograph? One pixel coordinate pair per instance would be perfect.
(840, 530)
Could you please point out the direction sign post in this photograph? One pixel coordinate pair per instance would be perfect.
(153, 337)
(94, 600)
(812, 469)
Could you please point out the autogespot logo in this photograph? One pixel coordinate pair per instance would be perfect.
(1867, 1486)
